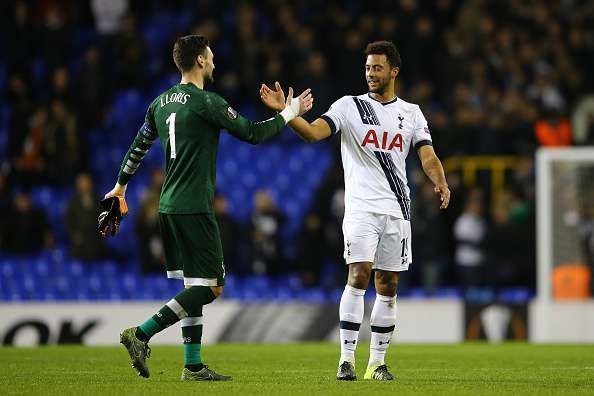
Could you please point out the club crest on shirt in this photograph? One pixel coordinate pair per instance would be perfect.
(231, 113)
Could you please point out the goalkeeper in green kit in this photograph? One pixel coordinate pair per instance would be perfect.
(188, 120)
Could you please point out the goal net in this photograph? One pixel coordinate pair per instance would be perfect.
(565, 222)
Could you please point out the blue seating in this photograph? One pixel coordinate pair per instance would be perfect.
(313, 294)
(515, 295)
(290, 169)
(416, 292)
(480, 295)
(39, 70)
(3, 76)
(447, 292)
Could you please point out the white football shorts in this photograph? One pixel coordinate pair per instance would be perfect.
(381, 239)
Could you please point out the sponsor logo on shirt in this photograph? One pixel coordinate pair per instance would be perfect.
(384, 141)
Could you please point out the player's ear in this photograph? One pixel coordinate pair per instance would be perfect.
(395, 71)
(200, 60)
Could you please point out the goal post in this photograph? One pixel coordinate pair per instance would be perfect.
(565, 212)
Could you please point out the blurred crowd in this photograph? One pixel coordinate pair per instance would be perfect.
(492, 77)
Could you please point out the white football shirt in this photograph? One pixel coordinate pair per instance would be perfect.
(375, 141)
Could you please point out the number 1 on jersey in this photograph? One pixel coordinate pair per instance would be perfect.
(171, 122)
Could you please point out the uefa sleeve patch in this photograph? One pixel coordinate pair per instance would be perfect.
(231, 113)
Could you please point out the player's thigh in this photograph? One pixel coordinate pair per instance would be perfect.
(168, 231)
(394, 249)
(194, 244)
(361, 236)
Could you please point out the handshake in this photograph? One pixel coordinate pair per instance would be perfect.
(290, 107)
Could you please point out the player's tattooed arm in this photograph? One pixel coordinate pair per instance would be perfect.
(310, 132)
(434, 171)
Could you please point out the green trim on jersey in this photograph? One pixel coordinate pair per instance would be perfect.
(188, 121)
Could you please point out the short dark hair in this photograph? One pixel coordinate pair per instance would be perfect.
(385, 48)
(186, 49)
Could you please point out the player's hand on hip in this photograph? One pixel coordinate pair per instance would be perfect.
(273, 99)
(444, 195)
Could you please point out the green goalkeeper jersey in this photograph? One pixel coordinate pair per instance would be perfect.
(188, 121)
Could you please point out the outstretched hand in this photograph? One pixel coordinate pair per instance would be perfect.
(275, 99)
(305, 100)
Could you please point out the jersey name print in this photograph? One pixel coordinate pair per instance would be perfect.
(375, 141)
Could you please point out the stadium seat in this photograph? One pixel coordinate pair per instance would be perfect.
(335, 294)
(447, 292)
(518, 295)
(3, 77)
(480, 295)
(313, 294)
(417, 292)
(38, 70)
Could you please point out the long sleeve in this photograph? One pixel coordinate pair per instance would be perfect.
(146, 136)
(224, 116)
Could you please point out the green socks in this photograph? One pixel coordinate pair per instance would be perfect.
(192, 336)
(186, 304)
(164, 318)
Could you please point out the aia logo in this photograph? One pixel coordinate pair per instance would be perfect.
(387, 143)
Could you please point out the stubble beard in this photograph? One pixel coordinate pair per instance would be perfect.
(208, 78)
(381, 88)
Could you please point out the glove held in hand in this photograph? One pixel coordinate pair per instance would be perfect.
(114, 209)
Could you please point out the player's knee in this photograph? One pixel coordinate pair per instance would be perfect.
(217, 290)
(386, 282)
(359, 277)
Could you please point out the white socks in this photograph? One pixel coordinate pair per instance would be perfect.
(351, 315)
(383, 321)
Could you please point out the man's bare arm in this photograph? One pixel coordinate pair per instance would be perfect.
(434, 171)
(310, 132)
(317, 130)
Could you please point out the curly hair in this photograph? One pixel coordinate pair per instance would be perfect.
(385, 48)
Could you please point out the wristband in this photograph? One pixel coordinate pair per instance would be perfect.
(291, 111)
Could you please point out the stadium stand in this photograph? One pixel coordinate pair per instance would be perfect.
(514, 78)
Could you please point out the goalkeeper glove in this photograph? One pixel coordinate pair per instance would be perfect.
(114, 209)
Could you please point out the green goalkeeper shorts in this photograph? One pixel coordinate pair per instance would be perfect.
(193, 250)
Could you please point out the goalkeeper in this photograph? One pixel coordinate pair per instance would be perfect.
(188, 120)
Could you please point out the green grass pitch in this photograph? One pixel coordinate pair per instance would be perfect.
(304, 369)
